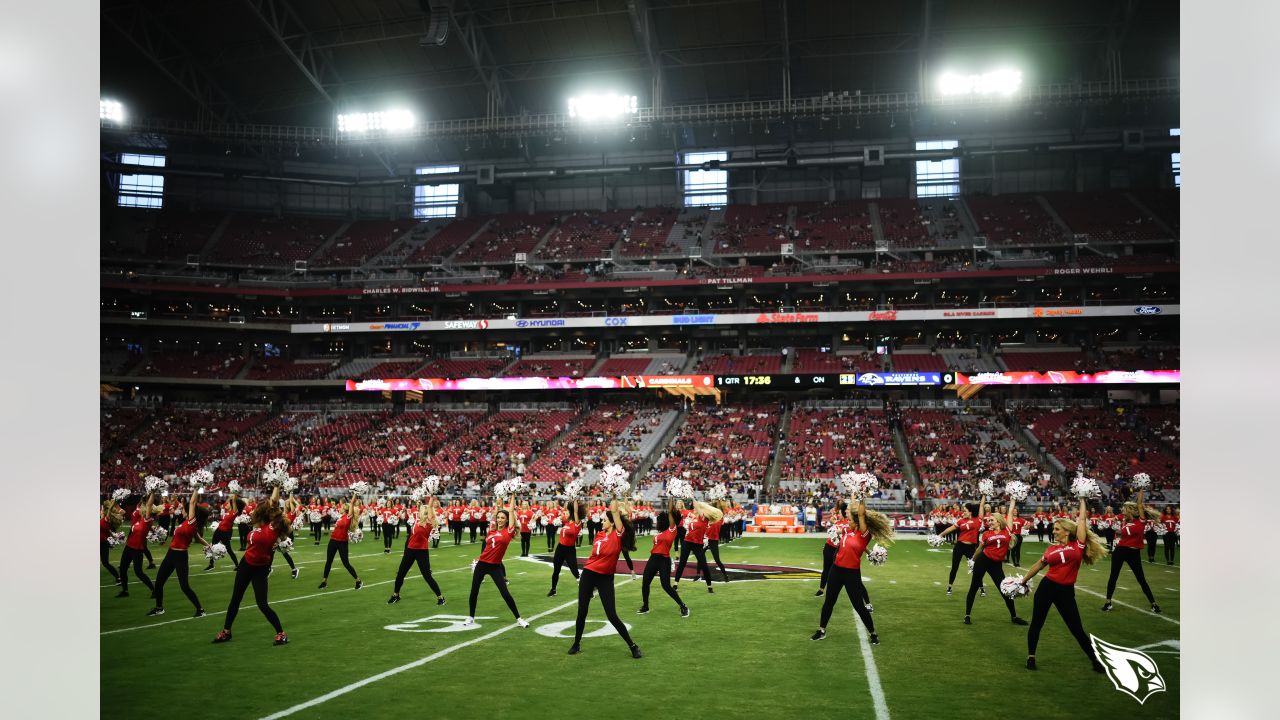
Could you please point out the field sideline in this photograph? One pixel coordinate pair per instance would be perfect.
(746, 646)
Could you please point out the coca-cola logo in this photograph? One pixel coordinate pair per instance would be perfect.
(883, 315)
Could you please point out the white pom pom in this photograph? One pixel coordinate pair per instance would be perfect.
(288, 485)
(356, 536)
(200, 479)
(878, 554)
(1140, 481)
(314, 516)
(934, 540)
(360, 487)
(431, 484)
(557, 522)
(216, 551)
(970, 567)
(153, 484)
(285, 545)
(120, 495)
(417, 494)
(834, 534)
(859, 484)
(233, 487)
(157, 535)
(412, 519)
(300, 522)
(435, 533)
(678, 488)
(573, 490)
(1159, 529)
(1085, 487)
(115, 538)
(717, 492)
(986, 487)
(1017, 490)
(242, 519)
(277, 465)
(1012, 587)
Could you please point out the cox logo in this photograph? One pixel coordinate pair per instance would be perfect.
(1147, 310)
(614, 321)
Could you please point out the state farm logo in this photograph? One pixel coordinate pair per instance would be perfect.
(883, 315)
(787, 318)
(466, 324)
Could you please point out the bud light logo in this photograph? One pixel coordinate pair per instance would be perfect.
(693, 319)
(1147, 310)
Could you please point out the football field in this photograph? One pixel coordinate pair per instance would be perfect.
(745, 648)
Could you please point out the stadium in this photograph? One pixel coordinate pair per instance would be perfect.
(438, 329)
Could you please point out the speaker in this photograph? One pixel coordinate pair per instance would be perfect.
(874, 156)
(437, 12)
(1133, 140)
(484, 175)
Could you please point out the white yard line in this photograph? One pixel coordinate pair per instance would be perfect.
(1162, 616)
(873, 675)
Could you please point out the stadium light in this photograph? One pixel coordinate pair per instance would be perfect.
(997, 82)
(589, 108)
(111, 111)
(390, 120)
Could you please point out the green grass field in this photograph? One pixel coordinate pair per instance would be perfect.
(746, 647)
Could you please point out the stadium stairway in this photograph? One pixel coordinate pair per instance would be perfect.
(448, 260)
(877, 229)
(909, 471)
(1057, 219)
(1028, 440)
(775, 467)
(1154, 217)
(402, 248)
(329, 241)
(665, 437)
(216, 235)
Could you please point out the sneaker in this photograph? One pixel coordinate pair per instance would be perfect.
(469, 622)
(152, 566)
(869, 608)
(644, 610)
(948, 591)
(875, 639)
(386, 551)
(294, 572)
(281, 639)
(819, 635)
(1107, 607)
(1098, 667)
(1031, 663)
(551, 594)
(684, 611)
(522, 622)
(156, 611)
(711, 590)
(123, 593)
(210, 567)
(574, 649)
(440, 600)
(983, 591)
(1155, 608)
(199, 613)
(967, 621)
(223, 636)
(1019, 621)
(359, 584)
(323, 584)
(635, 652)
(819, 593)
(393, 599)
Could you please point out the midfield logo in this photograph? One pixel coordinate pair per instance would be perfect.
(1133, 672)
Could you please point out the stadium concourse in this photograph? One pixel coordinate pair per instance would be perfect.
(509, 358)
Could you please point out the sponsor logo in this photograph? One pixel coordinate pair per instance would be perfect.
(883, 315)
(1133, 672)
(1083, 271)
(466, 324)
(1147, 310)
(540, 323)
(693, 319)
(1056, 312)
(614, 321)
(968, 313)
(990, 378)
(401, 326)
(900, 378)
(343, 326)
(728, 281)
(327, 327)
(870, 379)
(787, 318)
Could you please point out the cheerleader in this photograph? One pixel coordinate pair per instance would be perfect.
(415, 551)
(442, 520)
(269, 527)
(1151, 537)
(475, 516)
(390, 521)
(109, 518)
(1171, 522)
(1041, 524)
(133, 547)
(1129, 548)
(713, 538)
(456, 511)
(523, 517)
(966, 530)
(490, 563)
(222, 534)
(315, 515)
(659, 562)
(839, 523)
(339, 540)
(243, 528)
(292, 510)
(550, 514)
(1017, 530)
(1108, 528)
(846, 573)
(597, 575)
(993, 546)
(566, 549)
(1073, 544)
(175, 561)
(695, 536)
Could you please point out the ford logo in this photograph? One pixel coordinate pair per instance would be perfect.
(1147, 310)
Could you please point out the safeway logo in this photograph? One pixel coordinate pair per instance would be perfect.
(1133, 672)
(466, 324)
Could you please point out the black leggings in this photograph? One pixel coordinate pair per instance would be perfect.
(499, 575)
(524, 543)
(256, 574)
(565, 555)
(1170, 547)
(244, 535)
(473, 526)
(1151, 539)
(104, 554)
(849, 580)
(959, 550)
(700, 553)
(1110, 536)
(659, 565)
(828, 559)
(423, 560)
(1015, 550)
(224, 537)
(714, 547)
(175, 562)
(1133, 558)
(388, 534)
(603, 584)
(551, 537)
(289, 559)
(338, 547)
(456, 527)
(983, 565)
(315, 532)
(1063, 597)
(132, 557)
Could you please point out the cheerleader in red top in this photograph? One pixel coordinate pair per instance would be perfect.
(415, 551)
(1041, 524)
(1129, 549)
(175, 561)
(134, 545)
(475, 519)
(566, 549)
(597, 575)
(846, 571)
(1171, 525)
(713, 538)
(339, 540)
(660, 562)
(222, 534)
(292, 508)
(390, 521)
(840, 521)
(456, 511)
(550, 514)
(523, 517)
(109, 518)
(1109, 532)
(269, 527)
(694, 539)
(1073, 544)
(993, 546)
(967, 530)
(1015, 543)
(490, 563)
(315, 519)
